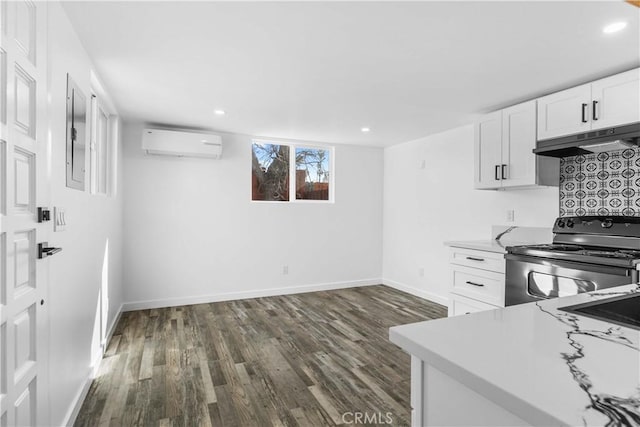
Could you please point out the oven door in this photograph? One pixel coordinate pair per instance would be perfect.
(531, 279)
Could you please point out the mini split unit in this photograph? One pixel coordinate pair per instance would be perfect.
(181, 143)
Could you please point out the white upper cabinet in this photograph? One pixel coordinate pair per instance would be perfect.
(616, 100)
(518, 142)
(611, 101)
(488, 150)
(564, 113)
(504, 143)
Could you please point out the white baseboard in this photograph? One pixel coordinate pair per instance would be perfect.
(72, 414)
(258, 293)
(112, 326)
(78, 400)
(417, 292)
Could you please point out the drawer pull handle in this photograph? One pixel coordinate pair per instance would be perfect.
(474, 283)
(472, 258)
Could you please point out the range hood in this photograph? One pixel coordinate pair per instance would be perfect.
(596, 141)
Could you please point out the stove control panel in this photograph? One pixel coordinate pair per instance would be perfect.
(604, 225)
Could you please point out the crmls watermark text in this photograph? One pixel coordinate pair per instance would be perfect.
(367, 418)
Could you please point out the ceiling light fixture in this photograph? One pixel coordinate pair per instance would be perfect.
(219, 112)
(365, 130)
(614, 27)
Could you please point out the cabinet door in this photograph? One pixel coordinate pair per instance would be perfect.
(616, 100)
(518, 142)
(564, 113)
(488, 151)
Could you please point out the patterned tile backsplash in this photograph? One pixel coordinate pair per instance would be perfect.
(601, 184)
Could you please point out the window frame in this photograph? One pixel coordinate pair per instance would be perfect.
(108, 149)
(292, 170)
(101, 99)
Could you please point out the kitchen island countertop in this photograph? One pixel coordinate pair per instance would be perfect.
(545, 365)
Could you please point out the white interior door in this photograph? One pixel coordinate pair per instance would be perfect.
(24, 186)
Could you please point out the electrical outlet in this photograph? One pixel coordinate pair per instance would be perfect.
(423, 164)
(511, 215)
(421, 272)
(285, 269)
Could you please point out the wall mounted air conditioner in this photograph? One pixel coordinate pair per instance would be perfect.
(181, 143)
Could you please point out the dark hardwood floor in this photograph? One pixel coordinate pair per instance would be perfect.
(307, 359)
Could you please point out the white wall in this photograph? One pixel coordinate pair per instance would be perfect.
(425, 207)
(76, 273)
(193, 235)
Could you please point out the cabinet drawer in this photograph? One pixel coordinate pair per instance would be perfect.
(481, 285)
(491, 261)
(460, 305)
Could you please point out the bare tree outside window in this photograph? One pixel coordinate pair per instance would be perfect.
(273, 176)
(270, 172)
(312, 174)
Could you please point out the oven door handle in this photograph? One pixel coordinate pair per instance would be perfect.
(573, 265)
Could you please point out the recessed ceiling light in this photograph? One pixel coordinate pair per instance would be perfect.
(614, 28)
(365, 130)
(219, 112)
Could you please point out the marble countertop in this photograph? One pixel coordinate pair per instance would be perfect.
(547, 366)
(483, 245)
(509, 236)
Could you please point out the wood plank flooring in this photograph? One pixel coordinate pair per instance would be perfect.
(295, 360)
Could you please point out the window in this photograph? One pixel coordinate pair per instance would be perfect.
(101, 148)
(312, 174)
(275, 177)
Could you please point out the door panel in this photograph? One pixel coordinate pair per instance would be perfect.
(24, 334)
(23, 186)
(23, 255)
(3, 178)
(618, 100)
(25, 406)
(24, 178)
(3, 86)
(3, 275)
(25, 87)
(561, 113)
(25, 29)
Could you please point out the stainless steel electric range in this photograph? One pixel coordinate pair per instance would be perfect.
(588, 253)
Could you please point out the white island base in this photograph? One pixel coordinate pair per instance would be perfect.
(439, 400)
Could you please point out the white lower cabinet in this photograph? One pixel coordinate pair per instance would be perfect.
(463, 305)
(477, 281)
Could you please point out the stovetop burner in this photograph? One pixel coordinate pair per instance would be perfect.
(612, 254)
(557, 247)
(586, 251)
(595, 240)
